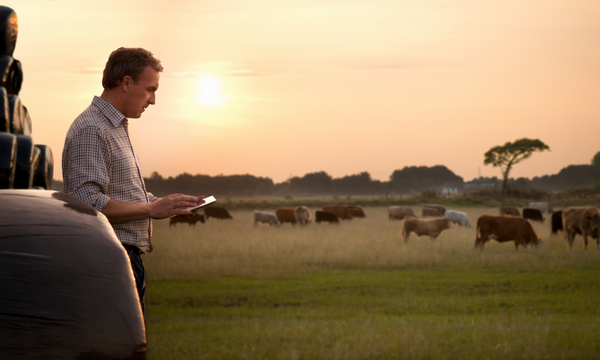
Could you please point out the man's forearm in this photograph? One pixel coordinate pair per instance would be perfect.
(117, 212)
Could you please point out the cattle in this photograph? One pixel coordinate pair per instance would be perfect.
(544, 207)
(302, 215)
(399, 212)
(533, 215)
(189, 219)
(286, 215)
(265, 218)
(581, 220)
(430, 227)
(510, 211)
(556, 222)
(439, 208)
(356, 211)
(458, 217)
(503, 229)
(325, 216)
(216, 212)
(341, 211)
(430, 212)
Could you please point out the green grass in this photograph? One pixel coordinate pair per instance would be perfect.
(225, 290)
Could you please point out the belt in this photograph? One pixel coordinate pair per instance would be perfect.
(132, 248)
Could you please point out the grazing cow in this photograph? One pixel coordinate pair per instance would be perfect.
(430, 227)
(302, 215)
(430, 212)
(556, 222)
(265, 218)
(216, 212)
(439, 208)
(326, 216)
(533, 215)
(399, 212)
(341, 211)
(189, 219)
(356, 211)
(505, 228)
(286, 215)
(544, 207)
(509, 211)
(458, 217)
(582, 220)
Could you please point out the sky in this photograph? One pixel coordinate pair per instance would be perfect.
(280, 88)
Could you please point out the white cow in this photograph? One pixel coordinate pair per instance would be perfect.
(543, 207)
(266, 218)
(302, 215)
(458, 217)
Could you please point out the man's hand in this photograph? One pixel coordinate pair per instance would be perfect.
(172, 205)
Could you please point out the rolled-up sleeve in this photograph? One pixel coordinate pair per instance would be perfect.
(89, 166)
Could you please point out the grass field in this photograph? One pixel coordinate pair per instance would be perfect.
(226, 290)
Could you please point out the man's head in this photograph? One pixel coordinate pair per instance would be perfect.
(130, 80)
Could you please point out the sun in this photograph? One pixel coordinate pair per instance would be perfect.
(210, 93)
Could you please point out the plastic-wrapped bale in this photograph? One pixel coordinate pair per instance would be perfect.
(68, 290)
(9, 29)
(4, 115)
(8, 156)
(26, 163)
(45, 170)
(16, 114)
(12, 73)
(27, 126)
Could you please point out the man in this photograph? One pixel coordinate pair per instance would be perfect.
(100, 166)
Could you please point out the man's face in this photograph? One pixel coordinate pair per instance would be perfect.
(142, 94)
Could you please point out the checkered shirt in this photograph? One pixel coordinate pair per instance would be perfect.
(99, 164)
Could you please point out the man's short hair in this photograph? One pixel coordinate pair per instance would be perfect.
(127, 62)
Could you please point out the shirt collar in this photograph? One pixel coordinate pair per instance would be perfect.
(113, 115)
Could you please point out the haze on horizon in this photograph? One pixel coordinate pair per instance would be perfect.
(277, 88)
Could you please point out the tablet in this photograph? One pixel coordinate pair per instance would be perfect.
(207, 201)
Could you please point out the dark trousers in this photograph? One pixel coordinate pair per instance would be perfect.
(138, 273)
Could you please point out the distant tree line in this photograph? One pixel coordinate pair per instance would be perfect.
(409, 180)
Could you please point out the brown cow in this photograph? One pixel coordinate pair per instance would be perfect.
(505, 228)
(302, 215)
(510, 211)
(216, 212)
(427, 211)
(286, 214)
(399, 212)
(326, 217)
(189, 219)
(356, 211)
(341, 211)
(582, 220)
(430, 227)
(439, 208)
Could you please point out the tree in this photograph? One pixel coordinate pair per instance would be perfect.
(595, 170)
(507, 155)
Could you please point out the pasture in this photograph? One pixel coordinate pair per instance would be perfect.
(226, 290)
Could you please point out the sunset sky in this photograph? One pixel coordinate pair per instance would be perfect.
(279, 88)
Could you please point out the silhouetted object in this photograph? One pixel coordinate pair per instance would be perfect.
(190, 220)
(43, 176)
(4, 114)
(216, 212)
(557, 223)
(324, 216)
(533, 215)
(9, 30)
(68, 291)
(27, 161)
(8, 156)
(26, 171)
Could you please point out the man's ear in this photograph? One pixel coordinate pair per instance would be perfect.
(126, 82)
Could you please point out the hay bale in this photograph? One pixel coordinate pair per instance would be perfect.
(4, 115)
(24, 166)
(9, 29)
(16, 114)
(45, 169)
(12, 74)
(8, 155)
